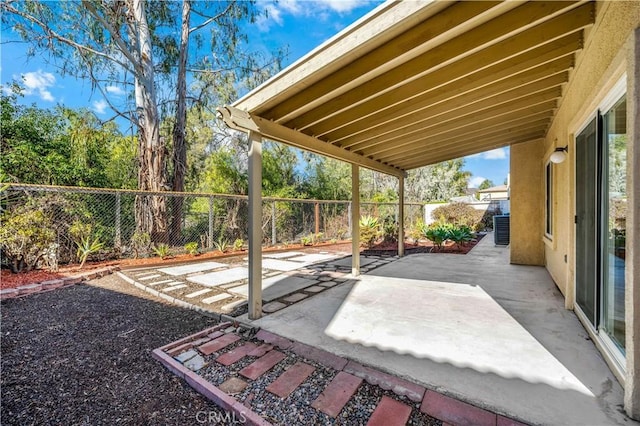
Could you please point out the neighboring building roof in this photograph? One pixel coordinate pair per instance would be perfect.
(499, 188)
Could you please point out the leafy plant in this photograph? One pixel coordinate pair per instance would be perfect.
(459, 214)
(389, 230)
(86, 247)
(191, 248)
(162, 250)
(460, 235)
(25, 236)
(222, 244)
(140, 243)
(307, 240)
(437, 233)
(369, 230)
(238, 244)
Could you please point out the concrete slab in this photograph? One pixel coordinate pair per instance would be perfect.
(280, 265)
(473, 327)
(346, 261)
(313, 258)
(216, 298)
(276, 287)
(282, 255)
(214, 279)
(191, 268)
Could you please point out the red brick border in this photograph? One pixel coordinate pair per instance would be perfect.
(40, 287)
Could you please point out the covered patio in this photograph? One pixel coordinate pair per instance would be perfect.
(474, 327)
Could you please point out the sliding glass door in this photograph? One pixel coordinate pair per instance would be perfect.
(601, 207)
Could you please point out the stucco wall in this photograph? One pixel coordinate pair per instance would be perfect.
(599, 66)
(526, 201)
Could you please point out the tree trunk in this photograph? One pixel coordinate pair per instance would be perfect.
(179, 142)
(151, 211)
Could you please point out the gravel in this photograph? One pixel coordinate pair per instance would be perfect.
(82, 356)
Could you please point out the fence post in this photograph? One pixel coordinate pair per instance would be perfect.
(274, 240)
(317, 217)
(118, 239)
(210, 239)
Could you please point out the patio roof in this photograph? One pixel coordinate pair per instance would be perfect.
(416, 83)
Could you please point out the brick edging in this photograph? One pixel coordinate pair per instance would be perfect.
(43, 286)
(210, 391)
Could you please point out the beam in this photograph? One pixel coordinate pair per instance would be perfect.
(255, 225)
(246, 122)
(355, 220)
(401, 216)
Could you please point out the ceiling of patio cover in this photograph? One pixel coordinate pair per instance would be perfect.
(415, 83)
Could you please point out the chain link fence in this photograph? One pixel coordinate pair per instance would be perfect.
(212, 221)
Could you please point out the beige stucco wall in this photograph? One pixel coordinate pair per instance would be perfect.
(526, 201)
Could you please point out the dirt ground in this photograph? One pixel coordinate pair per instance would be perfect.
(81, 355)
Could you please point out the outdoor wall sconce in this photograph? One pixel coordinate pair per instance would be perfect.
(559, 155)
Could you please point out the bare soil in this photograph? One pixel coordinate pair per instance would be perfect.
(81, 355)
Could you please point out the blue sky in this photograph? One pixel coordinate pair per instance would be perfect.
(299, 24)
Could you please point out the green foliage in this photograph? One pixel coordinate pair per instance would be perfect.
(460, 235)
(191, 248)
(86, 247)
(389, 230)
(438, 233)
(416, 231)
(307, 240)
(25, 236)
(140, 243)
(486, 184)
(459, 214)
(222, 244)
(238, 244)
(161, 250)
(369, 230)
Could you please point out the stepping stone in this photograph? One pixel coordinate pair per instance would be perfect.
(261, 350)
(315, 289)
(390, 413)
(296, 297)
(276, 287)
(214, 279)
(195, 363)
(191, 268)
(231, 306)
(198, 293)
(236, 354)
(149, 277)
(347, 261)
(329, 284)
(280, 265)
(262, 365)
(272, 307)
(283, 255)
(312, 258)
(233, 386)
(337, 394)
(174, 288)
(186, 355)
(142, 274)
(219, 343)
(291, 379)
(216, 298)
(160, 282)
(456, 412)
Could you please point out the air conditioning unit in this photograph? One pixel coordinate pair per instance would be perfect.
(501, 229)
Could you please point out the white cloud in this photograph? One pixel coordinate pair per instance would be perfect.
(474, 182)
(321, 9)
(273, 16)
(99, 107)
(38, 83)
(495, 154)
(341, 6)
(114, 90)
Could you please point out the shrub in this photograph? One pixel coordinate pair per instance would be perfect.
(460, 235)
(389, 230)
(369, 230)
(86, 247)
(459, 214)
(438, 233)
(222, 244)
(140, 243)
(307, 240)
(191, 248)
(238, 244)
(162, 250)
(25, 237)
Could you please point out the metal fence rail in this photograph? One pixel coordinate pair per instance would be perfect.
(210, 220)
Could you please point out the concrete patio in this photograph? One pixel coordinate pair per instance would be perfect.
(474, 327)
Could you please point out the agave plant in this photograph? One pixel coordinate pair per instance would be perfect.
(162, 250)
(87, 246)
(369, 230)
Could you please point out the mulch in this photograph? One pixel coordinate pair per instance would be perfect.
(81, 355)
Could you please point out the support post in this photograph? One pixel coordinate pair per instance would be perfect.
(255, 225)
(118, 239)
(316, 208)
(210, 238)
(355, 220)
(274, 239)
(401, 216)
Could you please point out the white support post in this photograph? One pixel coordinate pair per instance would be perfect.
(255, 225)
(355, 220)
(401, 216)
